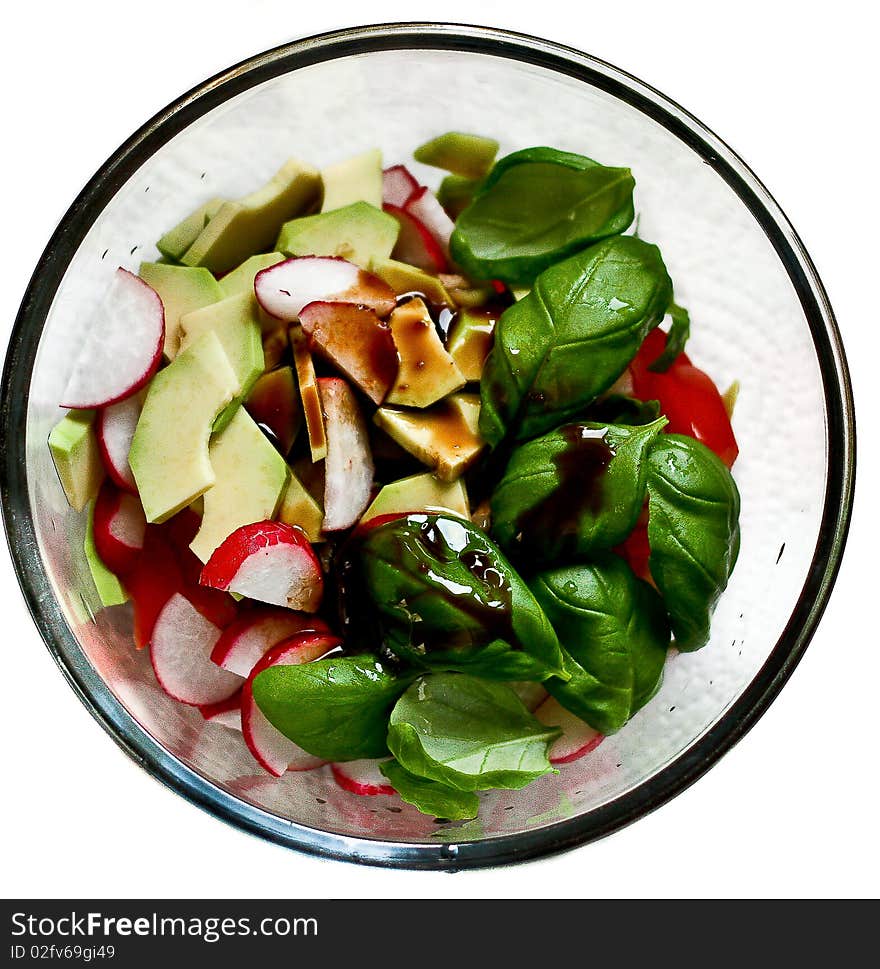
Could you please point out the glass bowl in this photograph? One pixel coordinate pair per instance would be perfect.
(760, 316)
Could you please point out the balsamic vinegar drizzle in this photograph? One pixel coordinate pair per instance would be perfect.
(487, 601)
(580, 468)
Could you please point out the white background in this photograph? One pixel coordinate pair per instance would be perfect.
(793, 809)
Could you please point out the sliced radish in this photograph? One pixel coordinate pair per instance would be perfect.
(249, 638)
(578, 738)
(226, 712)
(348, 468)
(415, 244)
(151, 583)
(362, 777)
(531, 694)
(213, 604)
(120, 526)
(270, 562)
(425, 207)
(122, 348)
(269, 746)
(180, 651)
(284, 289)
(165, 567)
(114, 427)
(398, 186)
(356, 341)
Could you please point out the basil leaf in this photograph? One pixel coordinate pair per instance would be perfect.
(334, 708)
(431, 797)
(468, 733)
(566, 342)
(676, 339)
(693, 532)
(620, 409)
(615, 631)
(536, 207)
(574, 491)
(497, 660)
(441, 586)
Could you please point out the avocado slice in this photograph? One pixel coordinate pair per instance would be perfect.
(470, 156)
(275, 343)
(110, 590)
(426, 371)
(182, 289)
(176, 241)
(403, 278)
(470, 340)
(419, 492)
(169, 452)
(250, 477)
(299, 508)
(446, 437)
(358, 232)
(456, 194)
(74, 449)
(357, 179)
(236, 324)
(241, 279)
(242, 229)
(465, 293)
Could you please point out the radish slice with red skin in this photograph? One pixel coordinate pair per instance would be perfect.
(532, 695)
(122, 348)
(578, 738)
(272, 750)
(213, 604)
(120, 527)
(398, 186)
(415, 244)
(180, 651)
(226, 712)
(249, 638)
(425, 207)
(154, 579)
(114, 427)
(270, 562)
(285, 288)
(348, 467)
(362, 777)
(165, 567)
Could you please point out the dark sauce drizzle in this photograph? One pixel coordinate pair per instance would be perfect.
(580, 468)
(487, 601)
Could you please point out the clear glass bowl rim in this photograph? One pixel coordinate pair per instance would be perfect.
(692, 763)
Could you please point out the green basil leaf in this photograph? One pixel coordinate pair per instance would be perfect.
(575, 491)
(620, 409)
(497, 660)
(468, 733)
(693, 532)
(334, 708)
(614, 628)
(431, 797)
(566, 342)
(678, 336)
(441, 586)
(536, 207)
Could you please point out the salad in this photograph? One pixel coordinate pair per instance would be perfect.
(406, 482)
